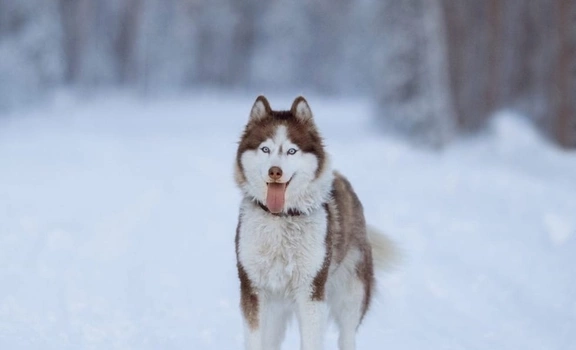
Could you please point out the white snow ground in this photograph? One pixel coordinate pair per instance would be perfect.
(117, 221)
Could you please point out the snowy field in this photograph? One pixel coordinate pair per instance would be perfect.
(117, 220)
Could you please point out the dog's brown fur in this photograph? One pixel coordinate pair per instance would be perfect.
(348, 230)
(248, 294)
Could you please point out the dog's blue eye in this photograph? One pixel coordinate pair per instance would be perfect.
(265, 149)
(292, 151)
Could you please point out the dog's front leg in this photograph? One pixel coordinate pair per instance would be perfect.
(251, 304)
(252, 312)
(252, 324)
(312, 316)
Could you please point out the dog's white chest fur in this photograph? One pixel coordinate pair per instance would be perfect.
(281, 254)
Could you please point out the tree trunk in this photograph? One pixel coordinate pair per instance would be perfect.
(125, 43)
(564, 102)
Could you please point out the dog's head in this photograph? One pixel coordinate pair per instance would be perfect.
(281, 160)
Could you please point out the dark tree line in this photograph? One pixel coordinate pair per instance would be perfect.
(437, 68)
(457, 62)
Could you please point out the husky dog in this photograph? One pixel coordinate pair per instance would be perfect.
(302, 244)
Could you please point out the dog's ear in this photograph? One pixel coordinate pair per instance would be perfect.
(260, 109)
(301, 110)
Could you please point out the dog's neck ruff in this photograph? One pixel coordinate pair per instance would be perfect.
(289, 212)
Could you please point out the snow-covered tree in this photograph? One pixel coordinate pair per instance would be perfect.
(31, 60)
(166, 45)
(412, 81)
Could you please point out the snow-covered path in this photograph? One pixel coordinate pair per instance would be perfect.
(117, 220)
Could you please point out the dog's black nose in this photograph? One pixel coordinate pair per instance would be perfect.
(275, 173)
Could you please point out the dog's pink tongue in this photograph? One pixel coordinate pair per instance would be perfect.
(275, 197)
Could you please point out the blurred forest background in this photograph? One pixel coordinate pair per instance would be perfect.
(435, 69)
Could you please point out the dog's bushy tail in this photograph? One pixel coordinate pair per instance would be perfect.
(385, 253)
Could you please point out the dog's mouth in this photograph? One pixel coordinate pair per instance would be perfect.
(276, 196)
